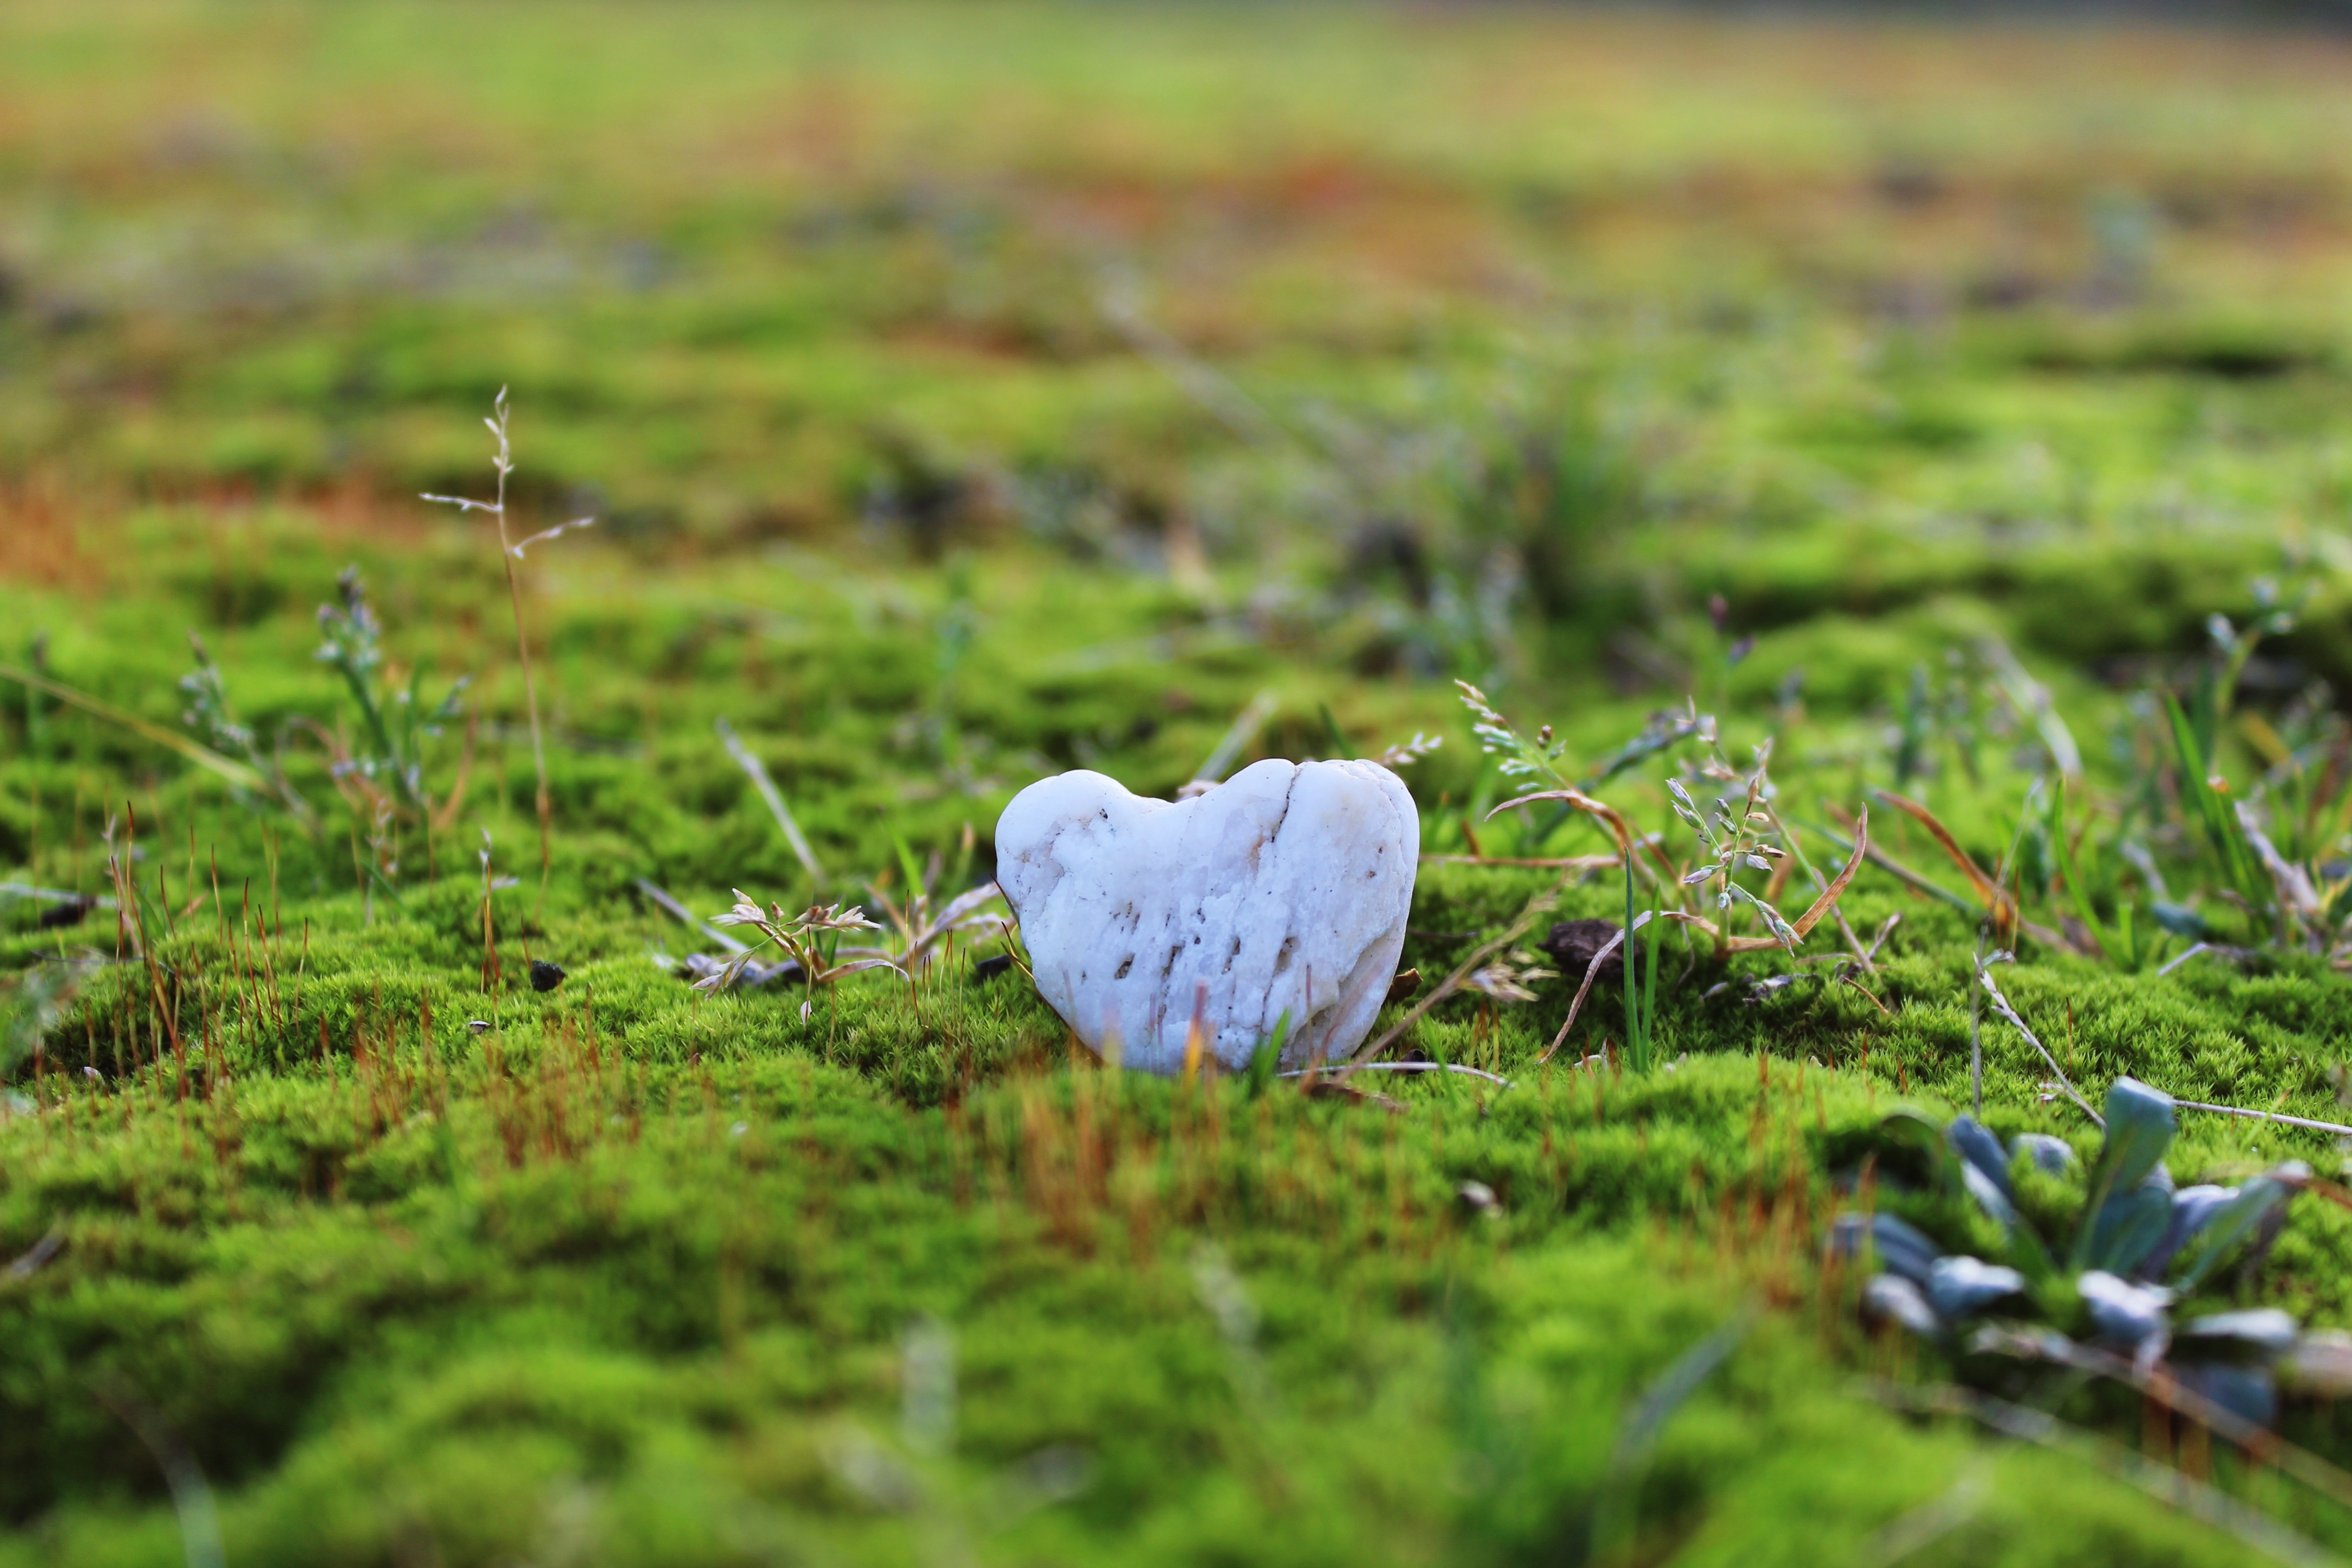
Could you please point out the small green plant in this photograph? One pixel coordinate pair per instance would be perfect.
(379, 764)
(2135, 938)
(810, 941)
(1740, 834)
(1265, 1061)
(384, 758)
(511, 553)
(2264, 866)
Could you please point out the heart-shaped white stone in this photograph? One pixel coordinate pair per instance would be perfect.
(1283, 890)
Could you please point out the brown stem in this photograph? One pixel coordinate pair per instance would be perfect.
(522, 651)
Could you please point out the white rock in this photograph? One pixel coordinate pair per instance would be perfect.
(1283, 890)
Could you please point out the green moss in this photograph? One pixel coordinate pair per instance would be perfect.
(420, 1265)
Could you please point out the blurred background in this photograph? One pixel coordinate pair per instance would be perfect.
(1487, 341)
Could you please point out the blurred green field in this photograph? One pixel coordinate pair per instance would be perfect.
(968, 392)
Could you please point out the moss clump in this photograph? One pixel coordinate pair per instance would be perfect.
(305, 1192)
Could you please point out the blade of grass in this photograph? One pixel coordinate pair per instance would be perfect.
(204, 756)
(1662, 873)
(1637, 1044)
(1995, 902)
(758, 771)
(1649, 1051)
(1804, 862)
(1613, 1520)
(1899, 871)
(2033, 700)
(192, 1498)
(1243, 730)
(1332, 733)
(2070, 871)
(1989, 892)
(1804, 924)
(1579, 863)
(2222, 831)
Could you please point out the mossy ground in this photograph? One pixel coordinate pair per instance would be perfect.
(1490, 345)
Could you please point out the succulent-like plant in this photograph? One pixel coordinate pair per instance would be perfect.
(2108, 1298)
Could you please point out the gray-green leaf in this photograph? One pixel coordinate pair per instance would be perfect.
(2127, 1227)
(2227, 1225)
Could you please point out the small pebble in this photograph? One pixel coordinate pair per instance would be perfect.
(1478, 1197)
(990, 968)
(545, 976)
(478, 1024)
(72, 913)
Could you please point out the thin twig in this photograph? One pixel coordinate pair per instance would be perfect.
(1976, 1034)
(2166, 1485)
(688, 917)
(2285, 1121)
(1231, 408)
(1537, 906)
(2001, 1005)
(2161, 1386)
(1407, 1067)
(1886, 930)
(1592, 969)
(2226, 953)
(544, 535)
(1845, 977)
(1331, 1088)
(2170, 964)
(1910, 1533)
